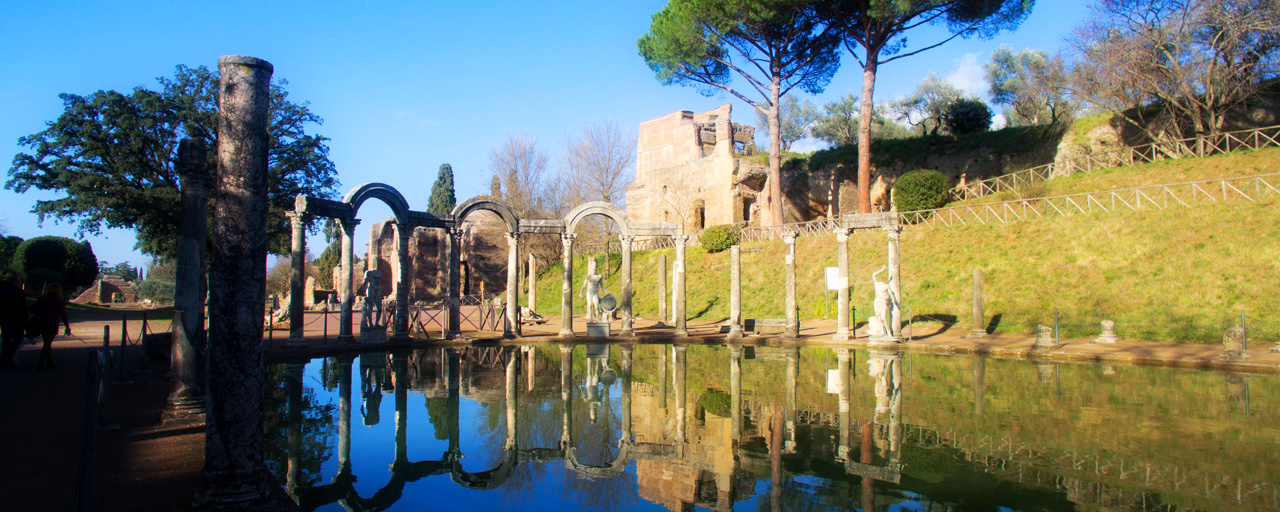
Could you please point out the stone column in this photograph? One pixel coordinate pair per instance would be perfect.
(533, 284)
(347, 281)
(627, 318)
(662, 290)
(297, 278)
(512, 327)
(344, 416)
(678, 287)
(680, 368)
(843, 332)
(842, 377)
(186, 353)
(400, 328)
(735, 292)
(793, 373)
(234, 476)
(566, 286)
(735, 390)
(895, 284)
(792, 327)
(626, 393)
(979, 319)
(293, 426)
(455, 277)
(511, 399)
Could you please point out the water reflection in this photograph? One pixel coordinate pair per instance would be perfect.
(651, 426)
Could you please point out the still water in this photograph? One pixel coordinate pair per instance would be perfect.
(654, 427)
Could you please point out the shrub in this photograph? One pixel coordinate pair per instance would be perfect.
(74, 262)
(967, 115)
(921, 189)
(719, 238)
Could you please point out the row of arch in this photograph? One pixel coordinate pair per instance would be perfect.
(345, 211)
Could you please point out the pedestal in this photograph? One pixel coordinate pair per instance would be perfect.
(598, 329)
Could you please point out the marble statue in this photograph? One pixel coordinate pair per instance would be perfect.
(878, 323)
(592, 289)
(372, 292)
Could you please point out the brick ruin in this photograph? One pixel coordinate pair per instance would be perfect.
(484, 259)
(105, 290)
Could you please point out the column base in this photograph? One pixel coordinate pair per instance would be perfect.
(735, 332)
(346, 338)
(978, 333)
(453, 335)
(682, 333)
(883, 342)
(401, 337)
(627, 332)
(295, 343)
(841, 336)
(789, 334)
(564, 333)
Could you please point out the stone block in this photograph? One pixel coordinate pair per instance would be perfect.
(598, 329)
(1044, 337)
(1233, 344)
(1108, 333)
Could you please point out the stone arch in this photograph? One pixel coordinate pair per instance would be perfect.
(503, 211)
(399, 206)
(585, 210)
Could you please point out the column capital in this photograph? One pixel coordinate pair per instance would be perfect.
(513, 237)
(626, 240)
(296, 217)
(842, 234)
(349, 224)
(568, 238)
(789, 237)
(680, 240)
(894, 231)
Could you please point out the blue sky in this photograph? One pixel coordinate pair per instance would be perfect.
(404, 87)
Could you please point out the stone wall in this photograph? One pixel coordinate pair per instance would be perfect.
(102, 290)
(484, 258)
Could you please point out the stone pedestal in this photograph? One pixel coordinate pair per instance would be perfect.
(1044, 337)
(375, 334)
(1233, 348)
(883, 342)
(598, 329)
(1108, 333)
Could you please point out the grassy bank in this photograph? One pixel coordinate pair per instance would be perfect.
(1177, 275)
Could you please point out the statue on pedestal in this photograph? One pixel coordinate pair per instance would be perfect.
(371, 289)
(882, 307)
(592, 289)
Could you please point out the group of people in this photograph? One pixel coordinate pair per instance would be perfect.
(19, 321)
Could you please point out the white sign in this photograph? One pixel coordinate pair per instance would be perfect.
(833, 278)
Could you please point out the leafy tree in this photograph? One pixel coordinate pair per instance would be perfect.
(159, 285)
(795, 118)
(330, 259)
(122, 270)
(773, 45)
(110, 156)
(73, 262)
(8, 247)
(879, 30)
(838, 123)
(442, 197)
(1031, 83)
(967, 115)
(927, 103)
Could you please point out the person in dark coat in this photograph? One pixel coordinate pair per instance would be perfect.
(48, 309)
(13, 319)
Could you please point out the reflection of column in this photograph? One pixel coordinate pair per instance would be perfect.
(735, 292)
(344, 416)
(842, 282)
(455, 283)
(297, 276)
(566, 387)
(775, 459)
(792, 327)
(293, 379)
(627, 318)
(400, 372)
(842, 377)
(529, 366)
(626, 393)
(566, 286)
(979, 384)
(533, 284)
(678, 286)
(662, 377)
(455, 382)
(793, 371)
(511, 400)
(679, 351)
(512, 327)
(735, 389)
(662, 289)
(347, 281)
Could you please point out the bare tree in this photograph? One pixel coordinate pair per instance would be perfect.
(601, 159)
(519, 168)
(1185, 62)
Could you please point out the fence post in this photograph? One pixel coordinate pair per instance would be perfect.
(84, 468)
(124, 342)
(325, 336)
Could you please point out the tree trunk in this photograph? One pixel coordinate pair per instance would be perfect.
(773, 197)
(864, 132)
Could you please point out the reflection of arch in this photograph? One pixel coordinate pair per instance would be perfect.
(487, 480)
(399, 206)
(484, 203)
(596, 207)
(609, 470)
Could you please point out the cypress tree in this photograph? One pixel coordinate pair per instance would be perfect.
(442, 198)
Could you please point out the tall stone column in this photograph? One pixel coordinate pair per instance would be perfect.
(735, 292)
(297, 277)
(979, 319)
(843, 332)
(234, 476)
(186, 353)
(792, 327)
(628, 318)
(566, 286)
(678, 287)
(347, 281)
(895, 283)
(681, 366)
(842, 376)
(455, 278)
(512, 327)
(400, 328)
(735, 390)
(533, 284)
(662, 290)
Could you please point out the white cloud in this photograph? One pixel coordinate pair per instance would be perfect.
(807, 145)
(969, 75)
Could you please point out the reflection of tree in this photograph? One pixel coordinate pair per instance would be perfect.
(319, 429)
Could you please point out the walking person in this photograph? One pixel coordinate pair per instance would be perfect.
(13, 319)
(48, 309)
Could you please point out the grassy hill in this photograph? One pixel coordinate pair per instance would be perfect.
(1176, 275)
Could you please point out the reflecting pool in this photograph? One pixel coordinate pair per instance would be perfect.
(654, 427)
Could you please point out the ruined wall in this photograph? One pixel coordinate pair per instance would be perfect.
(484, 258)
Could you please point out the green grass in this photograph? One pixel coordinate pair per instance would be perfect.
(1176, 275)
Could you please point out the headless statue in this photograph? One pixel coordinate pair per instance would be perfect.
(878, 324)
